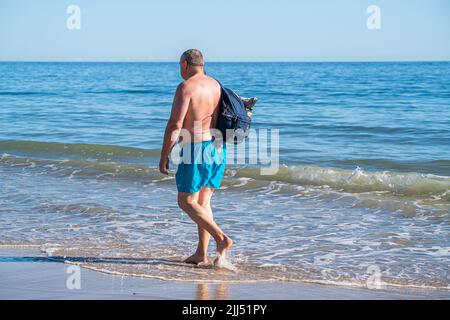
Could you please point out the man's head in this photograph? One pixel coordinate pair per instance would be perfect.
(191, 62)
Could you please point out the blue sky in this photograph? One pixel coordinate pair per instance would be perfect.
(231, 30)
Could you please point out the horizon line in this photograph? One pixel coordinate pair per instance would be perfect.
(221, 61)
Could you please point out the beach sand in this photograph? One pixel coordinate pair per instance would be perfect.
(28, 274)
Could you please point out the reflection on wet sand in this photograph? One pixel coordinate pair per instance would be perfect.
(207, 291)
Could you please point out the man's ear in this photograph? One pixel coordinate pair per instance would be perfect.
(185, 65)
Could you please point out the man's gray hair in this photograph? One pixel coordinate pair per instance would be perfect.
(193, 57)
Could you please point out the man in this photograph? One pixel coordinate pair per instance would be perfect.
(195, 111)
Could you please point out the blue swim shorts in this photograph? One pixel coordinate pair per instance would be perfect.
(202, 165)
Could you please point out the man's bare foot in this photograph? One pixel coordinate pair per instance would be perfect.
(224, 245)
(197, 259)
(222, 248)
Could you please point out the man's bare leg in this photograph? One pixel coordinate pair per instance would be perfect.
(189, 203)
(201, 255)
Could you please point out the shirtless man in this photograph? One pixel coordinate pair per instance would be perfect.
(196, 104)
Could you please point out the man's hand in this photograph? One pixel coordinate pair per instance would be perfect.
(164, 165)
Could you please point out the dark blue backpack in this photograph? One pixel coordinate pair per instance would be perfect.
(234, 122)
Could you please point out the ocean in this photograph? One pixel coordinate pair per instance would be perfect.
(362, 193)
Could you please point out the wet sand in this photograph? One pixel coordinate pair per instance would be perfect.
(28, 274)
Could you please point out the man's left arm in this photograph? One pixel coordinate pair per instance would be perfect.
(179, 110)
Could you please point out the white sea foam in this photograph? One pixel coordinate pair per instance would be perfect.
(222, 262)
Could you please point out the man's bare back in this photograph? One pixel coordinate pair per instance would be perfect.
(203, 111)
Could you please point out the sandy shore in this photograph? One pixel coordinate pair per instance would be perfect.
(27, 274)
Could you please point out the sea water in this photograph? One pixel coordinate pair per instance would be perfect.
(363, 186)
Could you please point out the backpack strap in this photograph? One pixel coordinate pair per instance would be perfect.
(220, 83)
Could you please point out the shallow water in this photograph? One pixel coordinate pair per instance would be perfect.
(364, 183)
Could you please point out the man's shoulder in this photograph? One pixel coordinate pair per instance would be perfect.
(183, 85)
(213, 81)
(194, 83)
(186, 84)
(183, 88)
